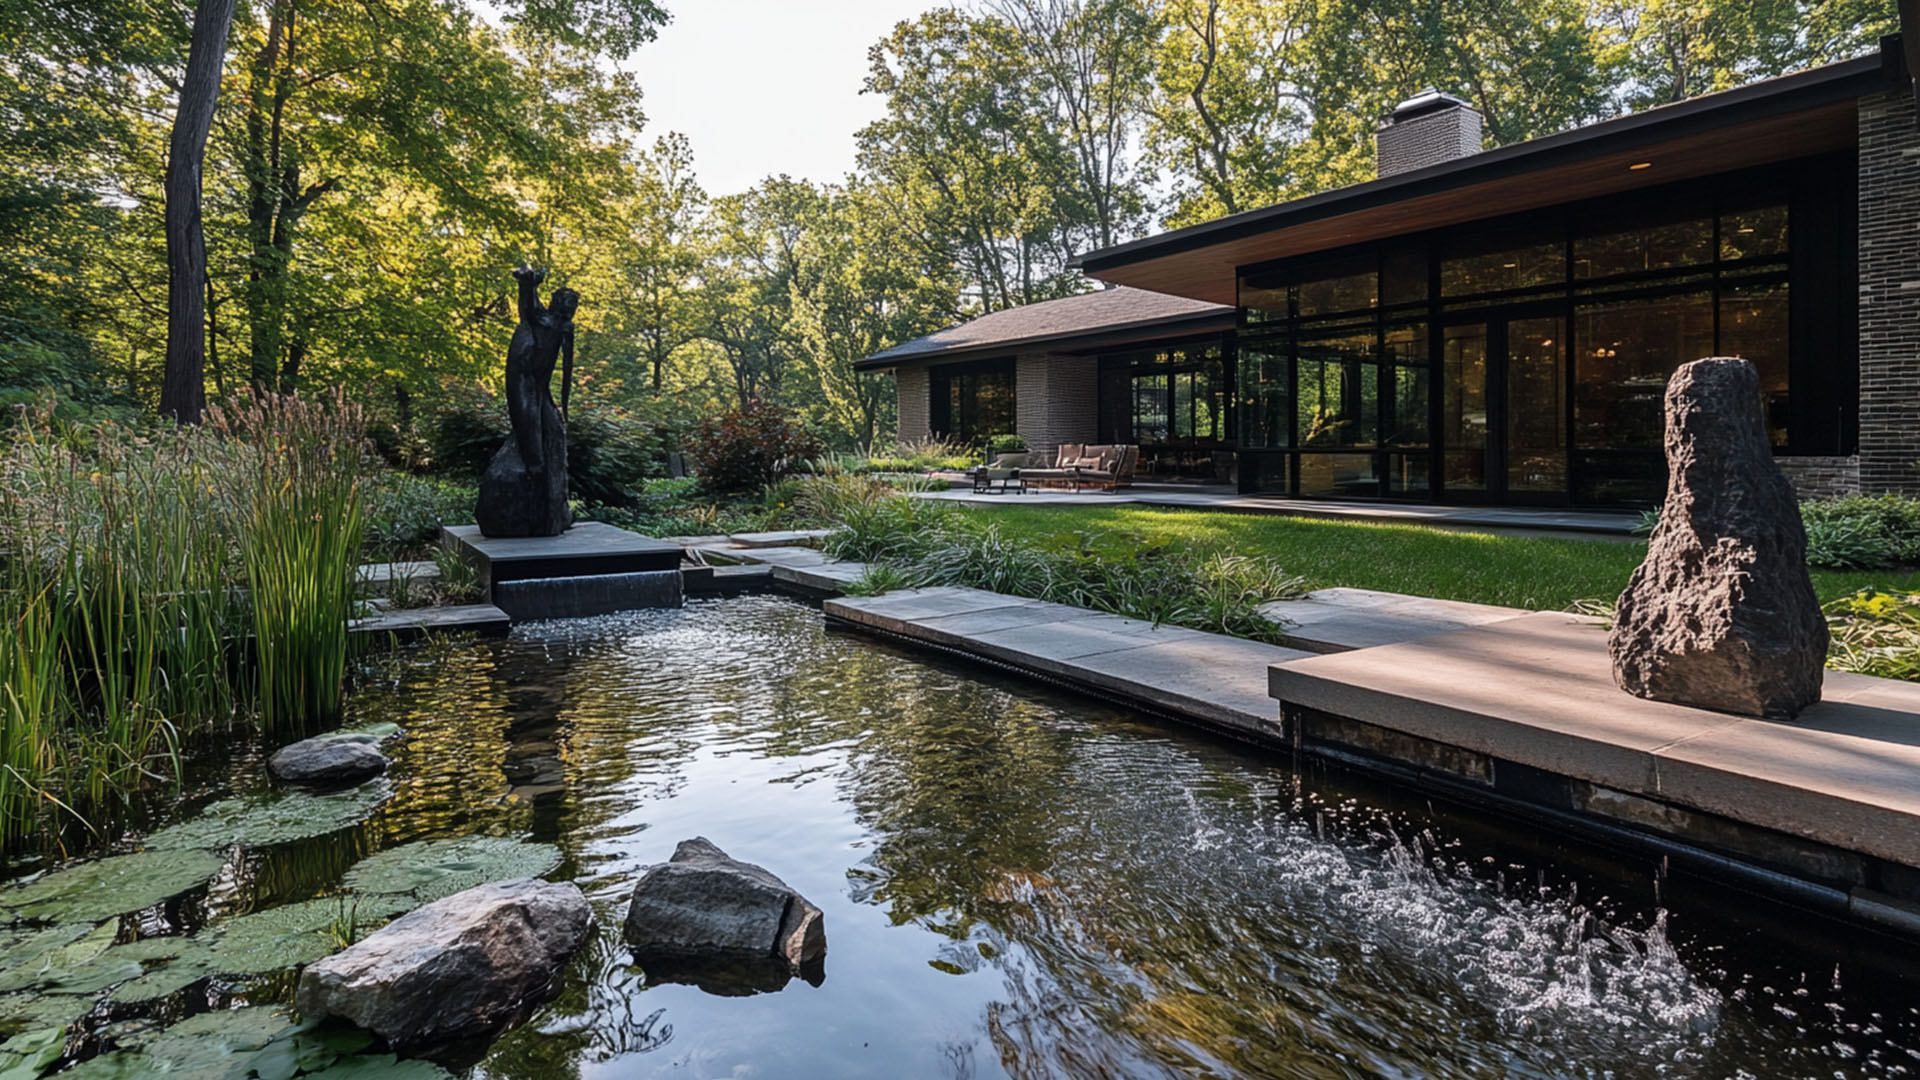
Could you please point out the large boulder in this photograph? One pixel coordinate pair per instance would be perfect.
(328, 761)
(456, 968)
(724, 925)
(1722, 614)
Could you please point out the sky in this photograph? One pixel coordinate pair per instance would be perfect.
(761, 87)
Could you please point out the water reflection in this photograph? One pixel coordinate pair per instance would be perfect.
(1024, 884)
(1021, 883)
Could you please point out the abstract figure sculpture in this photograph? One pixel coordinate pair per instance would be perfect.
(1722, 614)
(524, 490)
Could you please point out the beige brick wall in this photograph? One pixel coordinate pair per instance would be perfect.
(1889, 293)
(1056, 400)
(911, 384)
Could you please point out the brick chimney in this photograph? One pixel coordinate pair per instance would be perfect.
(1426, 129)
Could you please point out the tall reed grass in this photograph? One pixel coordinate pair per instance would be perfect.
(158, 585)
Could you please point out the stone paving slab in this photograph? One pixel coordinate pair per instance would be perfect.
(408, 624)
(588, 548)
(1538, 690)
(385, 573)
(786, 538)
(1207, 677)
(1334, 620)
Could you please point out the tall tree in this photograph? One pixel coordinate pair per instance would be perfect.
(1094, 61)
(663, 273)
(1232, 97)
(970, 160)
(183, 395)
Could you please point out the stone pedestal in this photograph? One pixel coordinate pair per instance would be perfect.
(591, 569)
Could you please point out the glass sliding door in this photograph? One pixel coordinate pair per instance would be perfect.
(1536, 407)
(1504, 410)
(1464, 354)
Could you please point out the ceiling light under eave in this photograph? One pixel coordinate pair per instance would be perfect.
(1638, 165)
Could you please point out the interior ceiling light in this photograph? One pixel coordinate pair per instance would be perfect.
(1638, 165)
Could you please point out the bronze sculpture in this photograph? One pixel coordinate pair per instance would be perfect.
(524, 490)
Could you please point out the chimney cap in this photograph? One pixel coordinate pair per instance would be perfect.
(1428, 100)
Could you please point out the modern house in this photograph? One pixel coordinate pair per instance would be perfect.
(1498, 325)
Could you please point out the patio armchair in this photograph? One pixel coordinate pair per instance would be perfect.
(1115, 469)
(1003, 470)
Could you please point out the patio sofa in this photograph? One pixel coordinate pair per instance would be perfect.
(1080, 465)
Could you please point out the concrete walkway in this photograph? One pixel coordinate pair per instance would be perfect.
(1336, 620)
(804, 568)
(1505, 519)
(1208, 678)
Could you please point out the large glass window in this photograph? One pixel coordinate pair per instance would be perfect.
(971, 403)
(1753, 324)
(1266, 396)
(1623, 353)
(1338, 399)
(1346, 286)
(1664, 243)
(1541, 348)
(1503, 261)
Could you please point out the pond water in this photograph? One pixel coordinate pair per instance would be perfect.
(1019, 882)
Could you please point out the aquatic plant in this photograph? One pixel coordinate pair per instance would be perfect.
(156, 585)
(300, 542)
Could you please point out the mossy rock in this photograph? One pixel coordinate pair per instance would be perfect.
(111, 886)
(263, 821)
(429, 870)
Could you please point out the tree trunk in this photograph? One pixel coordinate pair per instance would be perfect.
(183, 391)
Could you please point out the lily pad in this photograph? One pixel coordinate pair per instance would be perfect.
(428, 870)
(112, 886)
(26, 1012)
(265, 821)
(257, 944)
(382, 1067)
(260, 1042)
(26, 1056)
(371, 734)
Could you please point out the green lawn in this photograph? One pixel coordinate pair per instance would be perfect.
(1516, 571)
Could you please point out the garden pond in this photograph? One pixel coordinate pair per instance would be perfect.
(1016, 881)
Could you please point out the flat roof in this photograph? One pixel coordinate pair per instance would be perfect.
(1763, 122)
(1109, 316)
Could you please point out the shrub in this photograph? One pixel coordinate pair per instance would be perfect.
(1006, 444)
(912, 542)
(405, 512)
(467, 432)
(751, 447)
(1876, 633)
(1863, 531)
(610, 454)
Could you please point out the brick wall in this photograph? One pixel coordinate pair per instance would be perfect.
(1821, 477)
(911, 384)
(1056, 400)
(1405, 145)
(1889, 293)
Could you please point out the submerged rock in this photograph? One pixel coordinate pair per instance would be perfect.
(328, 761)
(458, 967)
(1722, 613)
(726, 926)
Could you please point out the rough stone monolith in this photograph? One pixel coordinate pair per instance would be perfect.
(1722, 613)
